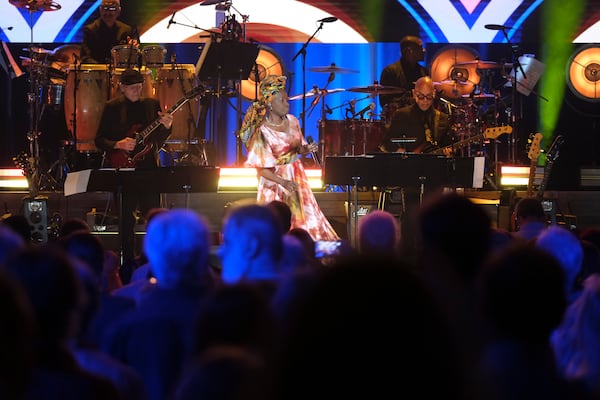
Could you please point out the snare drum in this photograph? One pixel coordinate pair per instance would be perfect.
(91, 82)
(153, 56)
(171, 86)
(147, 86)
(125, 56)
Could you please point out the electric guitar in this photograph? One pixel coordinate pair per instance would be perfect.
(489, 133)
(533, 154)
(118, 158)
(551, 156)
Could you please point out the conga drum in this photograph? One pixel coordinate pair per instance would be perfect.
(86, 91)
(153, 56)
(171, 85)
(125, 56)
(148, 89)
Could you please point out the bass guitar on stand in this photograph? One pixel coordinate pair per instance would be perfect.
(118, 158)
(533, 154)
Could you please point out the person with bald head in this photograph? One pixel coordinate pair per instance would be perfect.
(420, 121)
(105, 32)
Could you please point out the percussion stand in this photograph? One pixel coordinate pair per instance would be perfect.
(514, 118)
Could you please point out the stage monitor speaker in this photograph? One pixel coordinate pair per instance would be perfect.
(35, 210)
(362, 209)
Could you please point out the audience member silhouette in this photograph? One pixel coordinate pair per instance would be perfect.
(455, 236)
(367, 328)
(566, 248)
(71, 225)
(155, 338)
(576, 342)
(378, 234)
(128, 381)
(226, 373)
(529, 218)
(523, 300)
(89, 249)
(252, 245)
(283, 213)
(10, 243)
(20, 225)
(17, 332)
(55, 293)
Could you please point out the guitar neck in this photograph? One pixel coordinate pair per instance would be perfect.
(532, 168)
(460, 144)
(547, 170)
(143, 135)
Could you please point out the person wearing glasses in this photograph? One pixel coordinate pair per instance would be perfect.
(418, 128)
(101, 35)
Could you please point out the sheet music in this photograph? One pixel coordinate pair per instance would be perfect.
(77, 182)
(533, 71)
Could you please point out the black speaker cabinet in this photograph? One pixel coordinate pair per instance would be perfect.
(35, 210)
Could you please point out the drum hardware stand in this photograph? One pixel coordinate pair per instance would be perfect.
(303, 52)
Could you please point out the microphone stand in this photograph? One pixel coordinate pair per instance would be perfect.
(516, 67)
(303, 52)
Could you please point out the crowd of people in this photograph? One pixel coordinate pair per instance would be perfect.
(482, 317)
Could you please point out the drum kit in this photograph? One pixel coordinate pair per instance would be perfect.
(471, 102)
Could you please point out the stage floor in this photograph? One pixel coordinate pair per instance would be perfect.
(578, 209)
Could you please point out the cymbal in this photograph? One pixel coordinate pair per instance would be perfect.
(37, 50)
(334, 68)
(377, 89)
(36, 5)
(479, 64)
(450, 82)
(211, 2)
(313, 93)
(479, 96)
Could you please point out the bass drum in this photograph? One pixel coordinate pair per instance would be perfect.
(352, 137)
(267, 63)
(171, 85)
(87, 87)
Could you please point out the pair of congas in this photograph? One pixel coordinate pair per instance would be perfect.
(89, 86)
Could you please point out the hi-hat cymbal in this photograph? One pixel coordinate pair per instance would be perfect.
(333, 68)
(479, 64)
(313, 93)
(36, 5)
(377, 89)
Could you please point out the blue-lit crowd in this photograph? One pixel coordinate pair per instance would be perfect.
(478, 313)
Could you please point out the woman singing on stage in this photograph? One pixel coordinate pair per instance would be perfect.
(275, 142)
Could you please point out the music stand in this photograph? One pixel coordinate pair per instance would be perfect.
(229, 60)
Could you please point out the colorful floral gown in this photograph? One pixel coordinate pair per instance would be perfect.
(279, 150)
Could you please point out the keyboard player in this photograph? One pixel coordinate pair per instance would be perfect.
(418, 128)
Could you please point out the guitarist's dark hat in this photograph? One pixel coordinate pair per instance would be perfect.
(131, 77)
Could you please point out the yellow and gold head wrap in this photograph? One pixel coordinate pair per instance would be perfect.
(255, 114)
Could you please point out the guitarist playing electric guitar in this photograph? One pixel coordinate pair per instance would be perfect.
(123, 116)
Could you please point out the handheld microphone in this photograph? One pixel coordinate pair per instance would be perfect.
(364, 110)
(314, 155)
(328, 19)
(495, 27)
(317, 96)
(171, 20)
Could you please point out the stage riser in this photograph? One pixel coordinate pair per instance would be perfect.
(582, 205)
